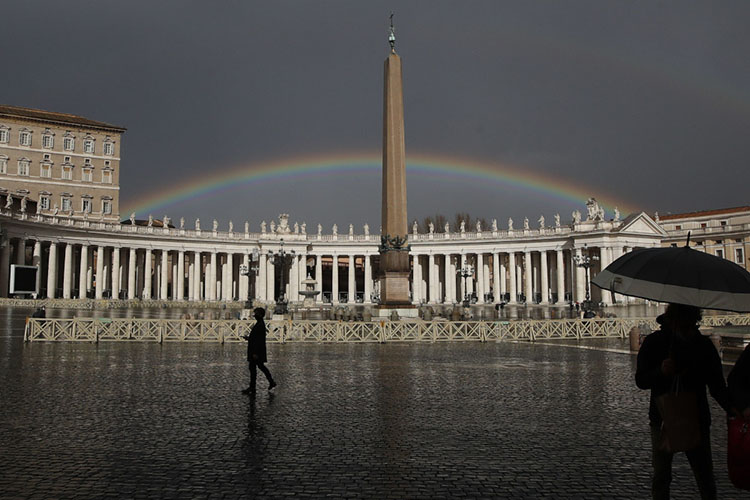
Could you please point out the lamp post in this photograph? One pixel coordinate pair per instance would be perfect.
(586, 261)
(281, 258)
(465, 273)
(250, 271)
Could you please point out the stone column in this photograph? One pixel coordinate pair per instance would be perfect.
(335, 280)
(271, 280)
(261, 283)
(319, 278)
(164, 276)
(197, 276)
(368, 281)
(352, 283)
(416, 287)
(605, 259)
(529, 283)
(432, 299)
(36, 260)
(132, 252)
(462, 288)
(191, 277)
(115, 273)
(99, 294)
(449, 277)
(244, 281)
(480, 278)
(496, 294)
(147, 265)
(67, 270)
(51, 271)
(503, 272)
(106, 269)
(543, 270)
(211, 277)
(512, 274)
(179, 288)
(21, 252)
(580, 279)
(83, 272)
(560, 276)
(294, 273)
(229, 288)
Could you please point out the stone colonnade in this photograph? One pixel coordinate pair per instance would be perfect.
(101, 271)
(79, 260)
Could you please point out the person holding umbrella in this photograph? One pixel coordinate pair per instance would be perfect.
(677, 363)
(678, 356)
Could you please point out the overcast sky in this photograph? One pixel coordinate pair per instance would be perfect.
(646, 102)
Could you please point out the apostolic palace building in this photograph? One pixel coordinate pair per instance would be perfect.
(59, 210)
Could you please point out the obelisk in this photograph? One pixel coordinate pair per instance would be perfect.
(394, 251)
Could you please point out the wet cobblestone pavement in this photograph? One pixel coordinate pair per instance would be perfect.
(453, 420)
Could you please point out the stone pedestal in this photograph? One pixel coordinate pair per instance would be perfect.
(394, 288)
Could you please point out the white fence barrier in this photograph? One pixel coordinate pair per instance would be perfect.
(232, 330)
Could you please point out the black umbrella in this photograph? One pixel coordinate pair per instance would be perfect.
(679, 275)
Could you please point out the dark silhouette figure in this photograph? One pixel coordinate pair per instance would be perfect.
(679, 354)
(39, 313)
(256, 351)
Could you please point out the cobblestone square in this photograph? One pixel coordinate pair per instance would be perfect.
(444, 420)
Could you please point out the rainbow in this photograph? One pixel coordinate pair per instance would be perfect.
(433, 166)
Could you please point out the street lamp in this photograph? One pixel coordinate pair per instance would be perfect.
(465, 273)
(281, 258)
(586, 261)
(249, 271)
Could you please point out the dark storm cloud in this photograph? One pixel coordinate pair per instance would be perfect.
(646, 101)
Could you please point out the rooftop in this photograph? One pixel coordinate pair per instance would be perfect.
(704, 213)
(56, 118)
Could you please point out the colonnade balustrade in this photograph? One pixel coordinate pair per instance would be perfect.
(107, 270)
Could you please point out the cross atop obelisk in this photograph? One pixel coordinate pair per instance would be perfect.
(394, 251)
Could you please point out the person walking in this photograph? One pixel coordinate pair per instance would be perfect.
(256, 351)
(679, 355)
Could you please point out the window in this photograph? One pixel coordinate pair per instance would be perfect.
(44, 202)
(720, 253)
(46, 157)
(677, 227)
(86, 175)
(67, 173)
(69, 143)
(86, 205)
(23, 167)
(66, 205)
(106, 177)
(106, 207)
(3, 164)
(48, 140)
(66, 159)
(703, 225)
(739, 255)
(24, 138)
(109, 147)
(45, 171)
(88, 146)
(723, 222)
(4, 134)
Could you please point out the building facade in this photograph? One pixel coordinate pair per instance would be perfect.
(80, 258)
(67, 164)
(723, 232)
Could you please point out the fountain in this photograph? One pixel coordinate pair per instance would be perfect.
(309, 292)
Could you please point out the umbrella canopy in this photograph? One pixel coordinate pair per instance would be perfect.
(679, 275)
